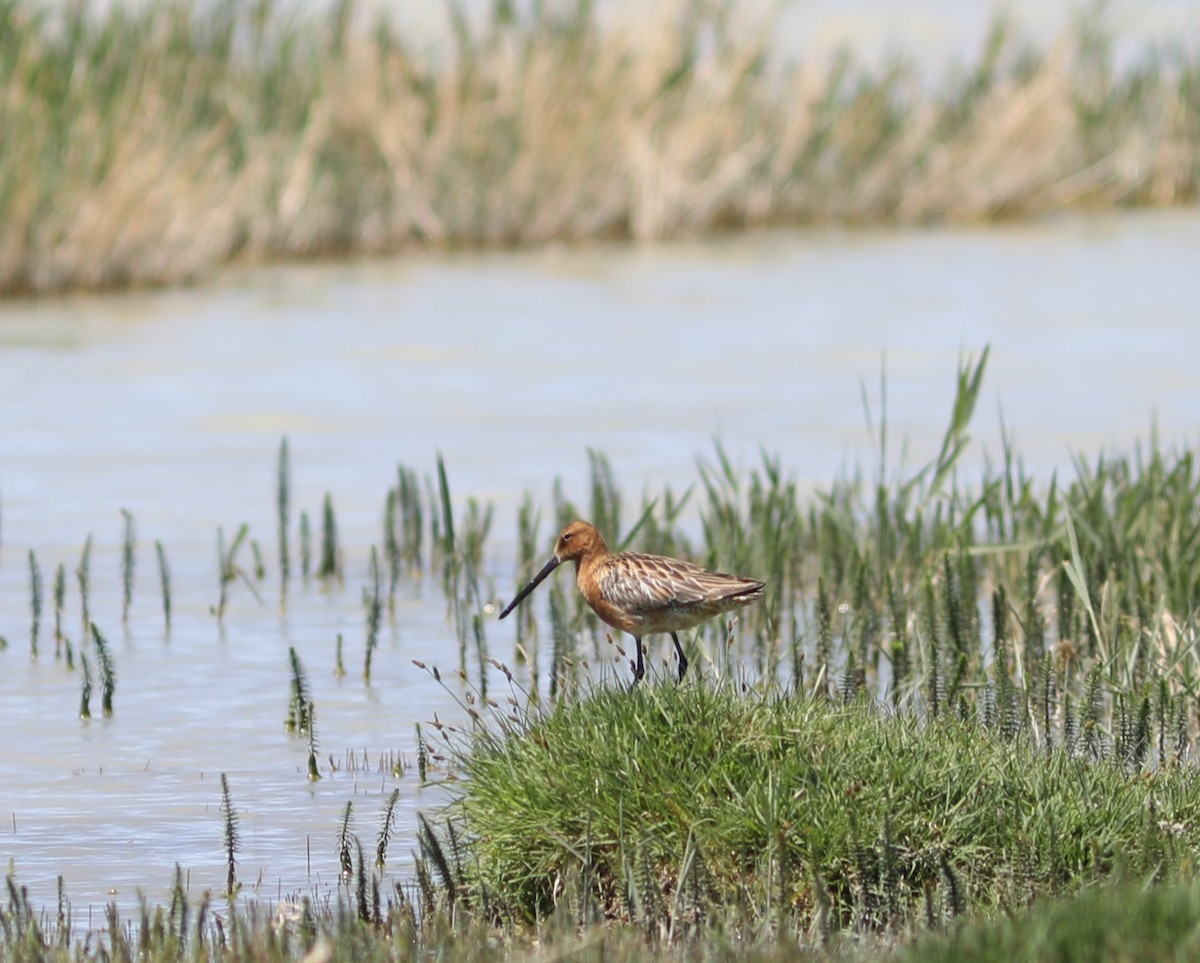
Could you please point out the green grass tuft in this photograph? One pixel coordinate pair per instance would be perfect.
(771, 785)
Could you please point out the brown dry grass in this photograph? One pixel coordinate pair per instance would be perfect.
(153, 147)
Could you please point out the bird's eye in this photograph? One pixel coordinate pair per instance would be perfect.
(567, 536)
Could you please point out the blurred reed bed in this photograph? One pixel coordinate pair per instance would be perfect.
(150, 144)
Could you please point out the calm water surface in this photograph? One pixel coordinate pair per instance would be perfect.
(172, 405)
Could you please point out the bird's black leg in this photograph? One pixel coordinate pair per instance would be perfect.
(683, 662)
(639, 668)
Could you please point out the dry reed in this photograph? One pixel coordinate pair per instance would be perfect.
(153, 144)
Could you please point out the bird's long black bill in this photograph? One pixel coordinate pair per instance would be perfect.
(537, 580)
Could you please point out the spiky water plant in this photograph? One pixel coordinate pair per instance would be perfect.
(330, 566)
(391, 546)
(35, 603)
(283, 499)
(433, 852)
(108, 672)
(360, 883)
(63, 920)
(128, 561)
(231, 838)
(223, 576)
(445, 542)
(373, 603)
(164, 578)
(481, 653)
(83, 576)
(60, 598)
(345, 841)
(339, 665)
(305, 545)
(298, 718)
(387, 826)
(412, 517)
(313, 773)
(85, 694)
(177, 910)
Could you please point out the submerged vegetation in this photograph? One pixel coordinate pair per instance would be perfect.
(963, 717)
(152, 143)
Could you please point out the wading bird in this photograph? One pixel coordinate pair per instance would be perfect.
(642, 594)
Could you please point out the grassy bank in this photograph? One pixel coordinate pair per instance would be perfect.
(672, 807)
(152, 145)
(708, 823)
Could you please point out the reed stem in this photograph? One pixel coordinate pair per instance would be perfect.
(128, 561)
(108, 672)
(231, 835)
(373, 602)
(283, 494)
(35, 603)
(331, 563)
(164, 577)
(83, 576)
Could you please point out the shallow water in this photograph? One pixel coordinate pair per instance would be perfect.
(172, 405)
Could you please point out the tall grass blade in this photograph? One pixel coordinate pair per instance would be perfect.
(35, 603)
(330, 566)
(345, 841)
(1075, 570)
(60, 600)
(108, 672)
(128, 561)
(448, 541)
(85, 694)
(83, 576)
(283, 504)
(164, 577)
(299, 698)
(373, 603)
(313, 744)
(305, 546)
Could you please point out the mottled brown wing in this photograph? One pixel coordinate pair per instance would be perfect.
(651, 583)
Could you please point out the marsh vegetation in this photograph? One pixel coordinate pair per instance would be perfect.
(962, 718)
(153, 143)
